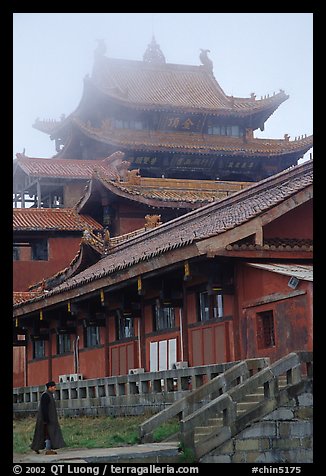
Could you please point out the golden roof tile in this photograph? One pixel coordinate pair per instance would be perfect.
(60, 168)
(192, 142)
(165, 85)
(61, 219)
(172, 192)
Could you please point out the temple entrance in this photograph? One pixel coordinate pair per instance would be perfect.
(163, 354)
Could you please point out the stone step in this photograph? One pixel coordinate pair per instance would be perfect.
(216, 421)
(254, 397)
(245, 405)
(203, 430)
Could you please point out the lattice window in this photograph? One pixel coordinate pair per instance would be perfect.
(124, 326)
(63, 343)
(265, 330)
(164, 317)
(210, 306)
(91, 336)
(40, 250)
(38, 349)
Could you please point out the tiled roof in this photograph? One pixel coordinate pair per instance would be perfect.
(145, 140)
(60, 168)
(210, 220)
(303, 271)
(279, 244)
(172, 191)
(44, 219)
(91, 248)
(166, 85)
(21, 296)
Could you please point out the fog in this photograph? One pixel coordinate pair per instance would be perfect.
(251, 52)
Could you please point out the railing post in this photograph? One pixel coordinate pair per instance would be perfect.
(293, 375)
(309, 366)
(187, 436)
(271, 388)
(229, 413)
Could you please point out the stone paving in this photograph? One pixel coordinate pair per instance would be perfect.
(147, 453)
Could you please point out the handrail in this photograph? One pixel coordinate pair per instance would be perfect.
(217, 386)
(226, 404)
(142, 383)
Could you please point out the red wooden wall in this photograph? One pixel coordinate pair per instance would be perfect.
(61, 252)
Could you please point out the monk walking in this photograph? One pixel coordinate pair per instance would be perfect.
(47, 432)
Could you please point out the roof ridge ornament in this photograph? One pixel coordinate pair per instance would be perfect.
(206, 61)
(153, 53)
(119, 167)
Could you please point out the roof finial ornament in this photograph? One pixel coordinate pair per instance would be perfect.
(153, 53)
(208, 63)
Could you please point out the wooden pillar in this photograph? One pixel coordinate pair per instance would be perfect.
(142, 335)
(259, 238)
(23, 198)
(38, 193)
(238, 327)
(184, 316)
(50, 356)
(139, 341)
(107, 347)
(26, 365)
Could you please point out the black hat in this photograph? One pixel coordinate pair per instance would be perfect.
(50, 384)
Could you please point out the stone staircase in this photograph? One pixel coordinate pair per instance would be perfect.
(202, 395)
(249, 402)
(212, 414)
(216, 423)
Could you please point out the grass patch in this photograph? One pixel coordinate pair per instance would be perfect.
(91, 432)
(23, 431)
(187, 455)
(165, 430)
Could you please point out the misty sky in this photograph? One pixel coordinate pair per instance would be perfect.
(251, 52)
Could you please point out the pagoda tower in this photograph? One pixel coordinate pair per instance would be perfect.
(172, 120)
(167, 120)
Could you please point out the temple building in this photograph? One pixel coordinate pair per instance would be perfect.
(227, 281)
(190, 240)
(169, 121)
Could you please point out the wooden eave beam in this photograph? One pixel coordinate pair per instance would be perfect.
(152, 202)
(293, 202)
(54, 184)
(263, 254)
(259, 236)
(273, 298)
(218, 243)
(152, 266)
(93, 186)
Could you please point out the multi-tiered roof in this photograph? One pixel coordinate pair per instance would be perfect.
(172, 120)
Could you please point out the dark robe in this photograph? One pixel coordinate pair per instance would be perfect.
(47, 413)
